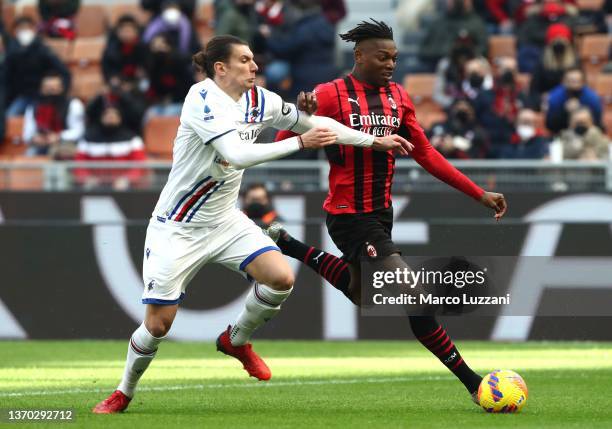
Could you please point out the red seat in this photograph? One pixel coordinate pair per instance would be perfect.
(91, 21)
(159, 135)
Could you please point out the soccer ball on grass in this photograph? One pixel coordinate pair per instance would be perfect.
(502, 391)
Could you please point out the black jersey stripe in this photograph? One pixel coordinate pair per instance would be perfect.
(379, 159)
(334, 152)
(357, 151)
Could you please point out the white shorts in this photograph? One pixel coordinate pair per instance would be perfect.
(174, 254)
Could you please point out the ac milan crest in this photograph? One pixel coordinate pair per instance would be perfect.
(371, 251)
(392, 103)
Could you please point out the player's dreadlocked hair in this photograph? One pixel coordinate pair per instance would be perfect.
(368, 30)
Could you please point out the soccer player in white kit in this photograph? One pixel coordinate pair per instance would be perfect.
(196, 221)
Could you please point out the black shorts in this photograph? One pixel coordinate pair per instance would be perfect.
(363, 234)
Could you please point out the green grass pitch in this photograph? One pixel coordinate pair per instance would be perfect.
(314, 385)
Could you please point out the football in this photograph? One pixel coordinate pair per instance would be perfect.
(502, 391)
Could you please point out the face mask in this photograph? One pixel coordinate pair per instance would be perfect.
(476, 80)
(257, 210)
(558, 48)
(525, 132)
(581, 129)
(172, 16)
(25, 37)
(507, 77)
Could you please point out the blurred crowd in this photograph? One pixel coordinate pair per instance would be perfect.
(536, 104)
(539, 103)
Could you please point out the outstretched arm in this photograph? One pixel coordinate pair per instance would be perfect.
(241, 155)
(307, 104)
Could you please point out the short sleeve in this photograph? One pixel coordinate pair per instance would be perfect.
(284, 115)
(206, 115)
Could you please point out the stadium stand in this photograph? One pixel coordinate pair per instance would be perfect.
(159, 136)
(594, 50)
(91, 20)
(86, 53)
(501, 46)
(61, 47)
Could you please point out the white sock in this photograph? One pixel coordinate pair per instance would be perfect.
(141, 351)
(262, 304)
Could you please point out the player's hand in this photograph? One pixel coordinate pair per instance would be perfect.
(318, 138)
(393, 142)
(496, 202)
(307, 102)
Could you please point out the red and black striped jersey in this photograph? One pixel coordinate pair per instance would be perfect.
(360, 178)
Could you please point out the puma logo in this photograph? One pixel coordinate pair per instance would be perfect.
(316, 259)
(353, 100)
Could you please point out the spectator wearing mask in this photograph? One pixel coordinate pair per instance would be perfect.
(583, 139)
(497, 109)
(58, 18)
(542, 14)
(55, 122)
(170, 77)
(558, 57)
(569, 97)
(458, 18)
(527, 141)
(477, 78)
(257, 206)
(176, 26)
(156, 7)
(460, 137)
(115, 94)
(27, 61)
(308, 47)
(125, 53)
(108, 138)
(450, 71)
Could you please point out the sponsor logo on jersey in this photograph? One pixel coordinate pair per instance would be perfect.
(151, 285)
(251, 134)
(148, 251)
(353, 100)
(377, 125)
(203, 94)
(286, 109)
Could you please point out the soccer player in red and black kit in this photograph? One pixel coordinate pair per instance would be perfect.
(358, 205)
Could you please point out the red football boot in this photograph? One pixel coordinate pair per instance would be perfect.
(251, 362)
(115, 403)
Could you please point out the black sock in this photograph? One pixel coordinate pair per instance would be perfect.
(331, 268)
(433, 336)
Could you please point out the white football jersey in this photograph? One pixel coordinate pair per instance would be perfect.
(202, 186)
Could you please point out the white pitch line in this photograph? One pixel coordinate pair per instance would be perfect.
(242, 385)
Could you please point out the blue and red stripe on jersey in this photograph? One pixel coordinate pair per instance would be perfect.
(201, 192)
